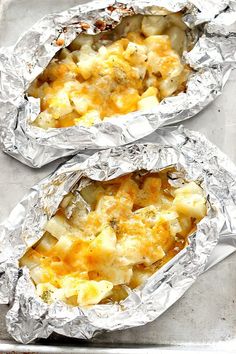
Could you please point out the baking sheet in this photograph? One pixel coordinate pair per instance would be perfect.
(194, 320)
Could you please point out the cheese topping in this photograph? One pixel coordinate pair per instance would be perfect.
(130, 68)
(134, 224)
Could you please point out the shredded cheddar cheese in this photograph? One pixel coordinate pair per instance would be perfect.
(130, 68)
(127, 229)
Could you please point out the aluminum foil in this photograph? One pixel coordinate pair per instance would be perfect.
(196, 158)
(213, 57)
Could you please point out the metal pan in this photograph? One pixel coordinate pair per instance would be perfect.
(204, 319)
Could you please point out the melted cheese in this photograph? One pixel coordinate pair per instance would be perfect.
(136, 224)
(133, 68)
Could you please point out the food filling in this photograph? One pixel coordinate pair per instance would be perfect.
(130, 68)
(113, 235)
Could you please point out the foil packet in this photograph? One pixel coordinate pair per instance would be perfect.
(212, 59)
(196, 159)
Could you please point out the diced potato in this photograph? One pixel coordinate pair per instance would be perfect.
(57, 226)
(171, 218)
(92, 292)
(189, 200)
(87, 62)
(59, 295)
(136, 221)
(105, 203)
(45, 120)
(158, 44)
(60, 104)
(38, 91)
(186, 225)
(66, 200)
(175, 227)
(152, 186)
(176, 19)
(62, 247)
(162, 235)
(139, 277)
(170, 67)
(92, 193)
(165, 202)
(46, 243)
(190, 205)
(81, 40)
(106, 240)
(154, 63)
(135, 37)
(129, 187)
(177, 38)
(42, 90)
(45, 290)
(116, 274)
(148, 212)
(67, 120)
(114, 50)
(103, 51)
(65, 69)
(169, 86)
(88, 119)
(150, 193)
(79, 214)
(151, 91)
(119, 293)
(30, 259)
(72, 86)
(135, 53)
(189, 188)
(152, 25)
(64, 54)
(86, 66)
(135, 250)
(81, 103)
(39, 275)
(103, 246)
(33, 90)
(129, 24)
(115, 208)
(104, 75)
(126, 101)
(148, 103)
(152, 80)
(70, 285)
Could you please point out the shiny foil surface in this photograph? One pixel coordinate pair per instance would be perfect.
(212, 58)
(195, 158)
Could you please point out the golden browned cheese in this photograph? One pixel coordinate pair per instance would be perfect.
(127, 229)
(130, 68)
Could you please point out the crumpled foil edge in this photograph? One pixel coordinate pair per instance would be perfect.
(213, 57)
(30, 318)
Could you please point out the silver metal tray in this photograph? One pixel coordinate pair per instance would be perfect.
(204, 319)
